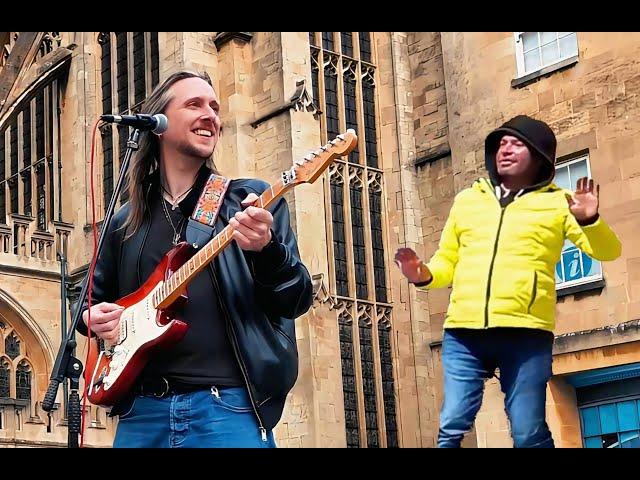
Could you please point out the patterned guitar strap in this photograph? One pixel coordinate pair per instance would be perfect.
(201, 226)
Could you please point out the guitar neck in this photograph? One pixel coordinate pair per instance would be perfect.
(176, 284)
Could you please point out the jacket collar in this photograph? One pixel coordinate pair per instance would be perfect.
(484, 185)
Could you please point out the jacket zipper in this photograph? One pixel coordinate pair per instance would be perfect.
(493, 259)
(234, 343)
(144, 238)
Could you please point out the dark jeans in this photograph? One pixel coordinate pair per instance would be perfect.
(469, 357)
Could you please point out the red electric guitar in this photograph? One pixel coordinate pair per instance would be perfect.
(148, 322)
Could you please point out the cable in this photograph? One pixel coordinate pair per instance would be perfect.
(92, 268)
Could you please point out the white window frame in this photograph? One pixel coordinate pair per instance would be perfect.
(544, 68)
(592, 278)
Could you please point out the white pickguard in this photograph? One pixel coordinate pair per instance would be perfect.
(137, 327)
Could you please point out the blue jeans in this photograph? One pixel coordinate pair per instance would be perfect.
(207, 418)
(469, 357)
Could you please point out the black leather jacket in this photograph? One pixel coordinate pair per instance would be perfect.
(260, 293)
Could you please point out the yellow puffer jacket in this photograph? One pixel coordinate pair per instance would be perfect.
(501, 260)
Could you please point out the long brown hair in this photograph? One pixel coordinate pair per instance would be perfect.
(146, 159)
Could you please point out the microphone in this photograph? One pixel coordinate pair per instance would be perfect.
(156, 123)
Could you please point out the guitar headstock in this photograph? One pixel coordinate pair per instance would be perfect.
(313, 164)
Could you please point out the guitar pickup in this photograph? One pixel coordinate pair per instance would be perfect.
(100, 380)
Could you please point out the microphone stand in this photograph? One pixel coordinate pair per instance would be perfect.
(67, 366)
(63, 325)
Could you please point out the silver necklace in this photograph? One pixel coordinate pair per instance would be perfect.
(175, 200)
(176, 232)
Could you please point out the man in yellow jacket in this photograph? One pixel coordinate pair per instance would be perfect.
(498, 249)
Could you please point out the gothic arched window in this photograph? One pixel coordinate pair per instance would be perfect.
(5, 378)
(16, 367)
(30, 160)
(23, 381)
(129, 68)
(12, 345)
(343, 77)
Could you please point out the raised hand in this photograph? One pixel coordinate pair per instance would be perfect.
(583, 204)
(411, 266)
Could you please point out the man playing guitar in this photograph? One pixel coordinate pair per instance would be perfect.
(225, 383)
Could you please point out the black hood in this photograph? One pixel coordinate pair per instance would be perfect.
(538, 137)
